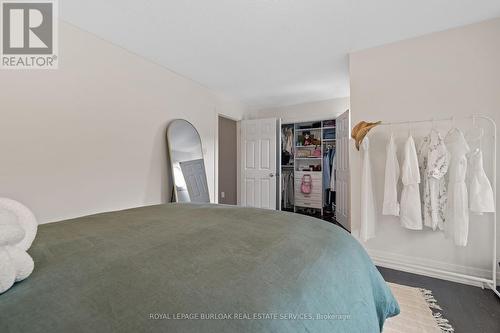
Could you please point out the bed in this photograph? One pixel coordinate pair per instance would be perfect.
(197, 268)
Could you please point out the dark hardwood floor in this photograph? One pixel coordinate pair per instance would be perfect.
(469, 309)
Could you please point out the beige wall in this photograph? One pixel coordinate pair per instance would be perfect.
(90, 136)
(450, 73)
(228, 144)
(320, 110)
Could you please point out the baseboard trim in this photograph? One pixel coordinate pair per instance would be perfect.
(426, 267)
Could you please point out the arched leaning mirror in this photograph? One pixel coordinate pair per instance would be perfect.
(186, 158)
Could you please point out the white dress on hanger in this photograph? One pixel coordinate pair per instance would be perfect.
(410, 209)
(480, 192)
(367, 228)
(457, 207)
(434, 160)
(392, 172)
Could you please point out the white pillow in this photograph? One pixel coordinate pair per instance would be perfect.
(11, 232)
(24, 217)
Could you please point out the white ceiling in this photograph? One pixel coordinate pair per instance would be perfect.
(267, 53)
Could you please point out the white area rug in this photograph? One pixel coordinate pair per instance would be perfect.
(419, 312)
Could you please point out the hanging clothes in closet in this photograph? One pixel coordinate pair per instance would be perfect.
(328, 157)
(434, 160)
(332, 172)
(287, 139)
(287, 190)
(457, 210)
(326, 169)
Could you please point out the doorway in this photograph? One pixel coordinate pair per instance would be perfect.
(258, 142)
(308, 168)
(227, 161)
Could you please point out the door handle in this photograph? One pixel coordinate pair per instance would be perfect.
(271, 175)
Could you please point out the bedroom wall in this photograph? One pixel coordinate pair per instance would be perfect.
(330, 108)
(450, 73)
(90, 136)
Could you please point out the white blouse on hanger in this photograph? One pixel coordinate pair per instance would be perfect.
(457, 210)
(392, 172)
(367, 228)
(410, 211)
(434, 160)
(480, 191)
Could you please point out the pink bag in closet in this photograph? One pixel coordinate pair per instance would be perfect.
(306, 185)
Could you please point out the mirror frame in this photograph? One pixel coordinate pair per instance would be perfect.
(174, 195)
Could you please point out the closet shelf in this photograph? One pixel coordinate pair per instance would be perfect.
(308, 146)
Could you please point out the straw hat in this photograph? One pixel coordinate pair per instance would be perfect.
(360, 130)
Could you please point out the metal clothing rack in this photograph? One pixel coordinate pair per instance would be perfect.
(491, 283)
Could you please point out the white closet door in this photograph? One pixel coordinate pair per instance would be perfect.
(258, 163)
(342, 159)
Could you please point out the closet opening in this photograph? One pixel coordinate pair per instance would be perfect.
(227, 161)
(309, 160)
(309, 168)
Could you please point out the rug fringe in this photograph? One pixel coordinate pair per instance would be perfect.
(443, 323)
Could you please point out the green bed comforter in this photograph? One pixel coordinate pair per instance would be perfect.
(197, 268)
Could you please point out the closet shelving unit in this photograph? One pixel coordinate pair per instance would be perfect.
(485, 282)
(302, 164)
